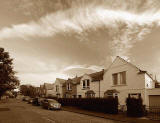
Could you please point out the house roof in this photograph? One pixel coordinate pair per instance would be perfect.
(61, 80)
(76, 80)
(97, 76)
(140, 71)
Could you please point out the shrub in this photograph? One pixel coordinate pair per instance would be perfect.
(135, 107)
(106, 105)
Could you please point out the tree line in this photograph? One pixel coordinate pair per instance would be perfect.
(8, 80)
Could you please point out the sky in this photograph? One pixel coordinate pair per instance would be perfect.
(51, 39)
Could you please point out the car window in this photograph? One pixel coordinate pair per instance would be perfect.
(54, 101)
(45, 100)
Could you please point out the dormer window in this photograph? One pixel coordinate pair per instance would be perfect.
(86, 83)
(68, 86)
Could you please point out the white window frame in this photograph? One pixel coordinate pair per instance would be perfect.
(68, 86)
(85, 82)
(121, 78)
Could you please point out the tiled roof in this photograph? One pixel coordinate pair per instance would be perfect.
(61, 80)
(97, 76)
(76, 80)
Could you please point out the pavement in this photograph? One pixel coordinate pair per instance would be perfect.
(115, 117)
(17, 111)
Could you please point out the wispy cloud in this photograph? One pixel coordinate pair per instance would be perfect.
(90, 67)
(125, 25)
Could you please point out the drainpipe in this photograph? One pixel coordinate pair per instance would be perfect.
(99, 88)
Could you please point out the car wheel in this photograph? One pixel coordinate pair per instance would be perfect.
(48, 108)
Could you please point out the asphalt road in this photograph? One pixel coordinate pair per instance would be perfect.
(17, 111)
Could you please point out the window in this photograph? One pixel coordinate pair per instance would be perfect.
(86, 83)
(123, 77)
(119, 78)
(79, 96)
(68, 86)
(57, 88)
(74, 96)
(115, 79)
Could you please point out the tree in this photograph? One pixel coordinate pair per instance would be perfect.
(29, 90)
(8, 80)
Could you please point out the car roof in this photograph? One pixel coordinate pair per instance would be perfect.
(52, 100)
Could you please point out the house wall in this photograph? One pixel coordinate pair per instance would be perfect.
(135, 82)
(149, 83)
(49, 92)
(59, 84)
(93, 86)
(71, 92)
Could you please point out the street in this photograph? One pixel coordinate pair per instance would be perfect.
(17, 111)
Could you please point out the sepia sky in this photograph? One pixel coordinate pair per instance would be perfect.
(64, 38)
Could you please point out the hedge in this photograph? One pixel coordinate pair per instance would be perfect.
(135, 107)
(106, 105)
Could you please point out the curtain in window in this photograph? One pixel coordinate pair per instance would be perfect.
(115, 79)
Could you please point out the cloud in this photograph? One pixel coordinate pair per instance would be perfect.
(89, 67)
(126, 22)
(38, 79)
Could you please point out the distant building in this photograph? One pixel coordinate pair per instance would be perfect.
(47, 89)
(58, 87)
(69, 88)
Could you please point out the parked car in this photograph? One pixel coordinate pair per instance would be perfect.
(51, 104)
(35, 101)
(26, 98)
(40, 100)
(30, 100)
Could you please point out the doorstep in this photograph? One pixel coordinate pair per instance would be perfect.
(115, 117)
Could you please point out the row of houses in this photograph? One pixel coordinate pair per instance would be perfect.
(121, 79)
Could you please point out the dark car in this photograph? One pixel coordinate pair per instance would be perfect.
(26, 98)
(51, 104)
(40, 100)
(35, 101)
(30, 100)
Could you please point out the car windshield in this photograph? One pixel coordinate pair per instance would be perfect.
(53, 101)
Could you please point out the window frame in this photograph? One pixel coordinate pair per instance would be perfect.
(119, 78)
(86, 83)
(69, 86)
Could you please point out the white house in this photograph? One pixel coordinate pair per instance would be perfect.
(58, 87)
(48, 89)
(123, 79)
(89, 85)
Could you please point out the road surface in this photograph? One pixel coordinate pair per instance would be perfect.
(17, 111)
